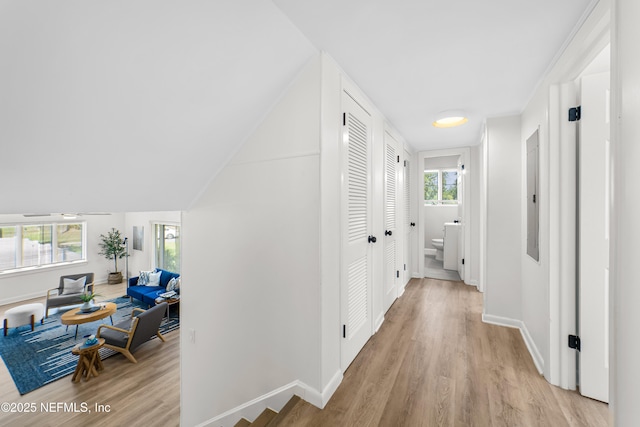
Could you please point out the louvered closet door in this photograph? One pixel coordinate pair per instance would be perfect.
(406, 198)
(391, 271)
(355, 304)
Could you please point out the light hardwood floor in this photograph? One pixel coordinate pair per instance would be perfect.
(434, 363)
(142, 394)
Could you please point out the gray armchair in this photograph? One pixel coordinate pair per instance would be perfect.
(126, 336)
(57, 298)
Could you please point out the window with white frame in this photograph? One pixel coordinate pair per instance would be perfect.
(167, 247)
(24, 246)
(441, 187)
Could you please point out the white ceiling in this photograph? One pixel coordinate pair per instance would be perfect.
(126, 105)
(415, 58)
(135, 106)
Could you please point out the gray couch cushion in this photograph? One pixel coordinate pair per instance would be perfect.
(117, 338)
(64, 300)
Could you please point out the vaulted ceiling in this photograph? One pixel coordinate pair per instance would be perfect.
(131, 106)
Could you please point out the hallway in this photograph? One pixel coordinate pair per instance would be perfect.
(433, 362)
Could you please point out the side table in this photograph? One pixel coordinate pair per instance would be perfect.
(89, 363)
(170, 302)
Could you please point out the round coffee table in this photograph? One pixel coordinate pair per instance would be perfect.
(77, 317)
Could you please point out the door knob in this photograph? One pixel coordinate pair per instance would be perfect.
(372, 239)
(413, 224)
(388, 233)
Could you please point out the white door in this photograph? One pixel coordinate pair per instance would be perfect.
(594, 181)
(355, 289)
(408, 227)
(461, 189)
(391, 273)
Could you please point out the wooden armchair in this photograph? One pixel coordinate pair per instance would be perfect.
(58, 297)
(126, 336)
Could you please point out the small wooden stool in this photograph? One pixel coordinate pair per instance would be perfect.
(89, 363)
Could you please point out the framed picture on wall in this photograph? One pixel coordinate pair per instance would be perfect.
(138, 237)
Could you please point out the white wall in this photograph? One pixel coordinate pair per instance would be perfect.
(548, 293)
(251, 251)
(35, 283)
(330, 220)
(625, 292)
(176, 86)
(434, 219)
(502, 298)
(535, 274)
(442, 162)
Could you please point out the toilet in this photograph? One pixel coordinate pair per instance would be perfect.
(439, 245)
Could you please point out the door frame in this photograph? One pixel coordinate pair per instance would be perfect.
(465, 157)
(561, 367)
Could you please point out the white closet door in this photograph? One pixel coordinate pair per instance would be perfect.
(356, 230)
(406, 196)
(391, 272)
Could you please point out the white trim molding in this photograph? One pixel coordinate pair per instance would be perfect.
(378, 323)
(276, 400)
(538, 361)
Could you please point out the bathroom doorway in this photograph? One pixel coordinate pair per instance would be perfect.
(442, 233)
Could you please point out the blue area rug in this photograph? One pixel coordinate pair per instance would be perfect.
(44, 355)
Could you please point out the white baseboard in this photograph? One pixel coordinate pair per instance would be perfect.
(472, 283)
(378, 323)
(21, 298)
(501, 321)
(276, 400)
(533, 349)
(538, 361)
(328, 391)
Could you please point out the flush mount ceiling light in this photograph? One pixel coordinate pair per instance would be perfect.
(449, 119)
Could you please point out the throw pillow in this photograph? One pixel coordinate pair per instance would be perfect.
(71, 286)
(154, 278)
(143, 278)
(174, 284)
(171, 286)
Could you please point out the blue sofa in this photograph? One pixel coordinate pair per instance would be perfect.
(148, 294)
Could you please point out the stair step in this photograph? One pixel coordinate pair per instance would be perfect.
(284, 411)
(243, 423)
(264, 418)
(302, 414)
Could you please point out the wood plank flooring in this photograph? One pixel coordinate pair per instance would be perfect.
(142, 394)
(434, 363)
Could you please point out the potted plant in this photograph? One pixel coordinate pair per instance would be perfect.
(87, 300)
(113, 248)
